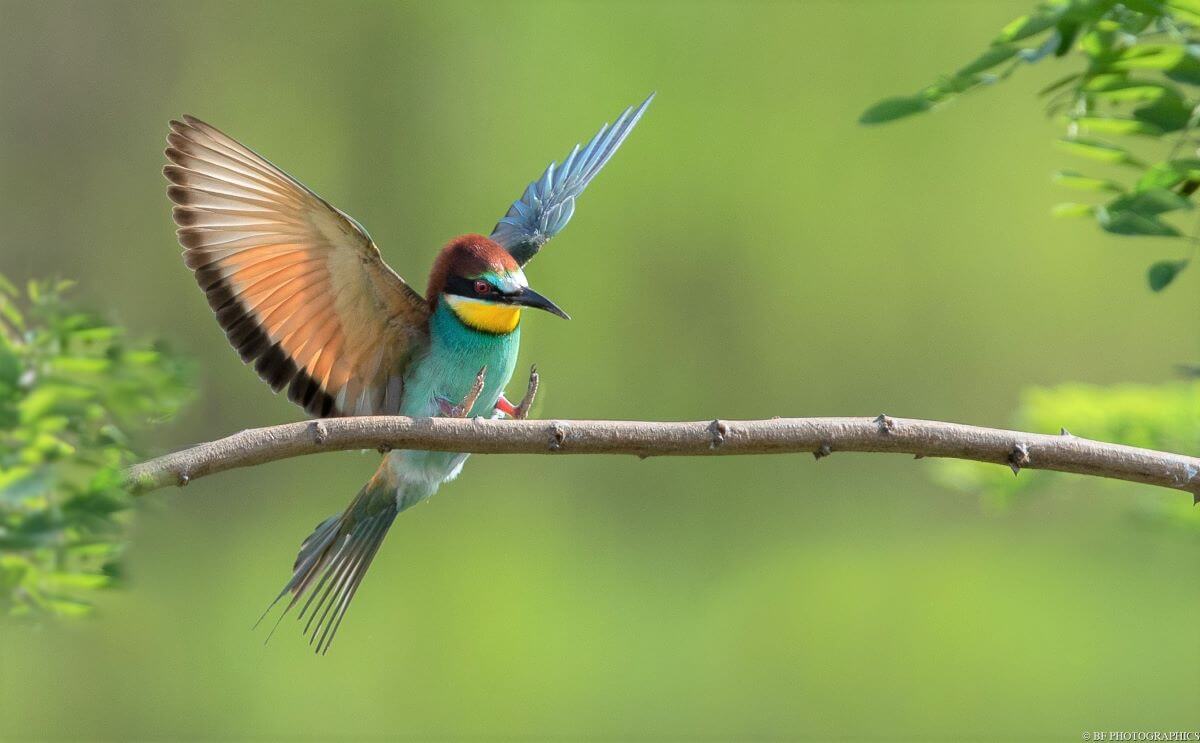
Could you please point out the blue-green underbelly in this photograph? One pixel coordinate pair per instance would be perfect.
(447, 370)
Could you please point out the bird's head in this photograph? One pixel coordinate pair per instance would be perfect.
(483, 285)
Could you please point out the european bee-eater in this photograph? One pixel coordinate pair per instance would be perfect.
(302, 292)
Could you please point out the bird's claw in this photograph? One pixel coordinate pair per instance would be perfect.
(520, 411)
(463, 408)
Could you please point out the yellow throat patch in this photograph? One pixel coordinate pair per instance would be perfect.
(488, 317)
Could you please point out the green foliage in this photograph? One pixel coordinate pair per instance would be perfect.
(1164, 417)
(72, 391)
(1161, 274)
(1138, 67)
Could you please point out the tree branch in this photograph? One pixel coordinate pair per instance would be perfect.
(818, 436)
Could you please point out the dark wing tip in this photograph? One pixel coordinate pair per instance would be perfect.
(183, 216)
(179, 195)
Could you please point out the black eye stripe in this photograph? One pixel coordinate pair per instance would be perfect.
(461, 286)
(465, 287)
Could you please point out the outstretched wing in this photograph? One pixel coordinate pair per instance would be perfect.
(298, 286)
(549, 202)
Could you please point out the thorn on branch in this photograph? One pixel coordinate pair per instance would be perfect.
(886, 423)
(184, 479)
(718, 429)
(557, 437)
(918, 456)
(1018, 457)
(1062, 431)
(823, 451)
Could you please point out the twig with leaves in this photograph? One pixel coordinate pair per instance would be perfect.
(1139, 79)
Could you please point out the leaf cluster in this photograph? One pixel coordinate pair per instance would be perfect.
(1134, 88)
(73, 389)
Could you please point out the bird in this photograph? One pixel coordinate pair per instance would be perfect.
(303, 293)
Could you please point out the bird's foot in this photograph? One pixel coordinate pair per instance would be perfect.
(520, 411)
(463, 408)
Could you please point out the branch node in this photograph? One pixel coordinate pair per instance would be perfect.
(886, 423)
(718, 429)
(823, 451)
(558, 435)
(918, 456)
(1018, 457)
(384, 449)
(320, 432)
(184, 479)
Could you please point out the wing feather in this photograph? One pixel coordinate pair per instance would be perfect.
(549, 202)
(299, 288)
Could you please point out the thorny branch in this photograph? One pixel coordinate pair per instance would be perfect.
(818, 436)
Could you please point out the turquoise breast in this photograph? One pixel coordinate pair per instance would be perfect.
(447, 370)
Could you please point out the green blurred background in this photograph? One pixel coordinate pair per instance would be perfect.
(751, 252)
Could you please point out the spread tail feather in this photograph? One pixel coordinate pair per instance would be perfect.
(335, 557)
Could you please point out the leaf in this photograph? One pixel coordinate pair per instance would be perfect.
(995, 55)
(1071, 209)
(891, 109)
(1168, 113)
(1101, 43)
(1071, 179)
(1187, 70)
(10, 366)
(1068, 30)
(1149, 57)
(1029, 25)
(1169, 174)
(1106, 80)
(1151, 202)
(1161, 176)
(78, 580)
(1138, 213)
(1130, 90)
(69, 607)
(1187, 11)
(11, 313)
(1188, 167)
(1161, 274)
(1117, 125)
(1096, 150)
(1153, 8)
(81, 365)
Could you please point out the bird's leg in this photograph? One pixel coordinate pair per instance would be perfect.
(461, 409)
(521, 409)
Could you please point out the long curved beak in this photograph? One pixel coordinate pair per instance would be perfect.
(530, 298)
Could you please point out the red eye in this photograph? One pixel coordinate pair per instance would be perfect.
(482, 287)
